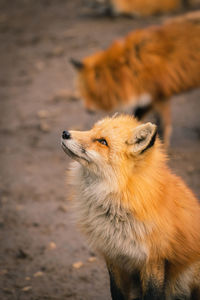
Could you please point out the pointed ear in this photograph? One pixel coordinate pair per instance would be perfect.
(143, 137)
(78, 65)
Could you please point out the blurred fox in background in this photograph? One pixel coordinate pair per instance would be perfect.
(143, 7)
(144, 70)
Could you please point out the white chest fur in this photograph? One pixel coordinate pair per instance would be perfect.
(108, 226)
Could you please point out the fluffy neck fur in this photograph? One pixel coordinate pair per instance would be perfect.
(113, 211)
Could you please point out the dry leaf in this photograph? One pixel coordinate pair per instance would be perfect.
(27, 278)
(38, 274)
(26, 288)
(92, 259)
(77, 265)
(52, 245)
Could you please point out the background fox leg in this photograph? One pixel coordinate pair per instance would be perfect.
(153, 282)
(163, 117)
(140, 112)
(163, 108)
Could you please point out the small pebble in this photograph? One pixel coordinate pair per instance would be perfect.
(27, 278)
(77, 265)
(38, 274)
(92, 259)
(52, 245)
(26, 288)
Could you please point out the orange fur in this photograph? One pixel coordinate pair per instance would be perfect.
(146, 190)
(156, 62)
(160, 61)
(145, 7)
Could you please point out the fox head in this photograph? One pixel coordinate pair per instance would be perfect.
(105, 79)
(114, 145)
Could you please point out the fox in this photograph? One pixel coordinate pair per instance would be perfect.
(144, 70)
(140, 217)
(143, 8)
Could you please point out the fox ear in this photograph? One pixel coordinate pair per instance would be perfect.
(78, 65)
(143, 137)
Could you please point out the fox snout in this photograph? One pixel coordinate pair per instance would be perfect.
(66, 135)
(74, 146)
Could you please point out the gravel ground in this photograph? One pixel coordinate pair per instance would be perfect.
(40, 245)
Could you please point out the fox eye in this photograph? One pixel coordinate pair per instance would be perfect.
(102, 141)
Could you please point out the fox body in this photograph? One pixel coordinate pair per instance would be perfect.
(135, 212)
(144, 69)
(144, 7)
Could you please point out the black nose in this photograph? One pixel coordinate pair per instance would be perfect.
(66, 135)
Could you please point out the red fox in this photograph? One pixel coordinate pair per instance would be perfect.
(144, 7)
(145, 68)
(142, 218)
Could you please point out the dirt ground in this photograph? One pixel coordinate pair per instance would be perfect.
(39, 242)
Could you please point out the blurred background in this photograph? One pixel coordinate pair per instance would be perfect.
(42, 254)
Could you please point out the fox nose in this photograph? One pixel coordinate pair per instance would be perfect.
(66, 135)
